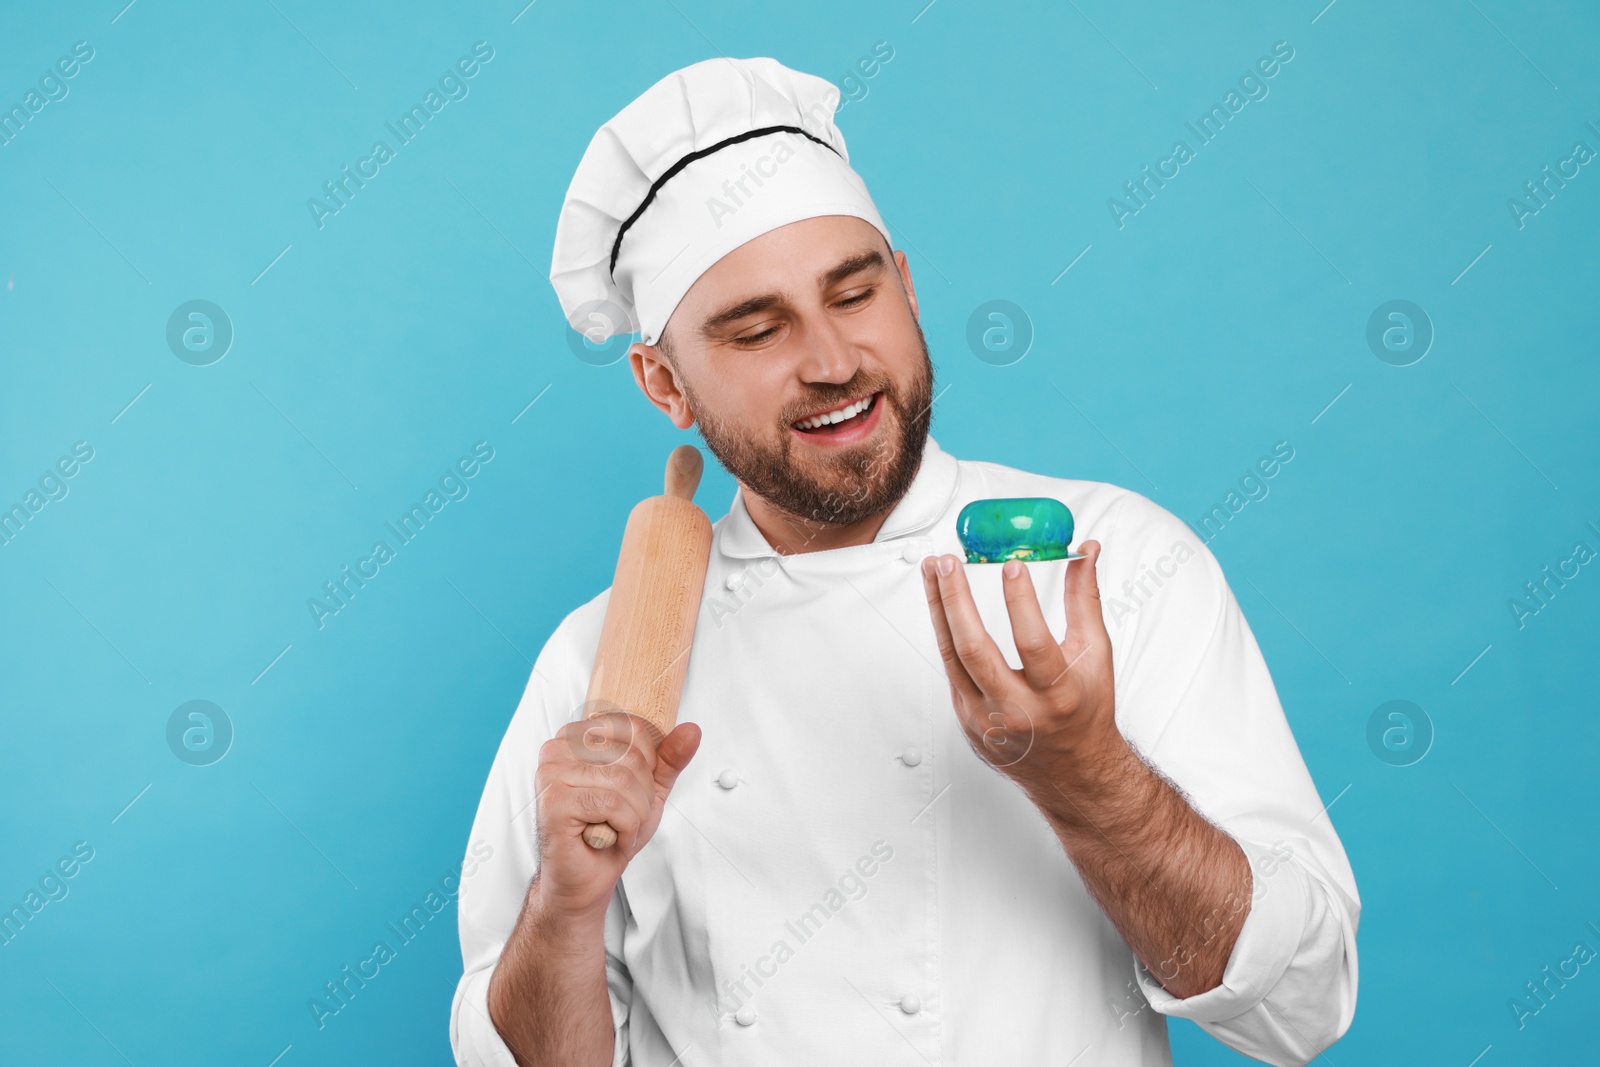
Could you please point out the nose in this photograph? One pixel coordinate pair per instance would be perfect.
(829, 354)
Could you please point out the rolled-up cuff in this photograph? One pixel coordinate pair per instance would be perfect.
(476, 1041)
(1280, 907)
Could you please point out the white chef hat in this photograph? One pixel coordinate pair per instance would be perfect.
(704, 160)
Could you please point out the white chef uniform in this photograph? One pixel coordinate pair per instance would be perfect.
(838, 878)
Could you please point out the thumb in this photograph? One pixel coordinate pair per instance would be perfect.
(1082, 592)
(674, 754)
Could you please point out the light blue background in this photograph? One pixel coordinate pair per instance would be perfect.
(1224, 317)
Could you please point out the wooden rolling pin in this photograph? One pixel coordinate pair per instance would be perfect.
(655, 598)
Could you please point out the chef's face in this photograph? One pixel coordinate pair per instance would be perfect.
(810, 318)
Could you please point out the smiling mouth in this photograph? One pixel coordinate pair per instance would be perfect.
(837, 419)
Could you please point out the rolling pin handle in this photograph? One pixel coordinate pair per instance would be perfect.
(599, 835)
(683, 472)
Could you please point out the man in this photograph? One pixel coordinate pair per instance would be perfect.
(900, 819)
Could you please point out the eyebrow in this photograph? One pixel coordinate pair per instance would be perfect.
(869, 260)
(854, 265)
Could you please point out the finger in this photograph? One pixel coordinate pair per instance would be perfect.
(586, 804)
(960, 680)
(1086, 625)
(631, 775)
(976, 649)
(1042, 658)
(674, 754)
(569, 799)
(608, 752)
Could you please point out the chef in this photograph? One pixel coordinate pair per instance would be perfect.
(914, 811)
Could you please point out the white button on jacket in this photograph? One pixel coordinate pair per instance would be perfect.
(834, 879)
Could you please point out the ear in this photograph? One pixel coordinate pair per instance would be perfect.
(659, 382)
(905, 280)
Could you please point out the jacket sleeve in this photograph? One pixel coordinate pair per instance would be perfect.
(1196, 699)
(503, 857)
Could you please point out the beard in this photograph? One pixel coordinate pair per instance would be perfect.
(839, 485)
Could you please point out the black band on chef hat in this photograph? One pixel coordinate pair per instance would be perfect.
(616, 246)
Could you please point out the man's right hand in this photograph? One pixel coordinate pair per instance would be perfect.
(548, 995)
(604, 769)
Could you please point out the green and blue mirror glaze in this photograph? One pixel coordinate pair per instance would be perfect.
(1033, 529)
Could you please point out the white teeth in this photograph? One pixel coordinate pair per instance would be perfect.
(835, 416)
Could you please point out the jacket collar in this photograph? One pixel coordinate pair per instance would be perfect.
(928, 499)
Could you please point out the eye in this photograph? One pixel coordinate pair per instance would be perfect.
(852, 301)
(756, 338)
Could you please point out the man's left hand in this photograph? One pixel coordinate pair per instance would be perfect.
(1048, 724)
